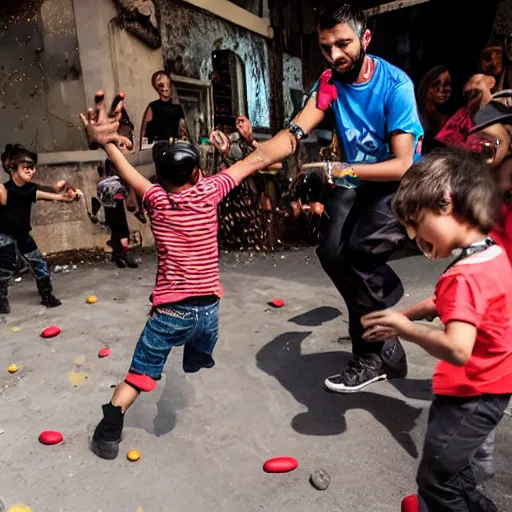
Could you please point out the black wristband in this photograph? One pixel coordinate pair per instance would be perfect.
(297, 131)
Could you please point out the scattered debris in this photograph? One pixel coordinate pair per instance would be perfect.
(133, 455)
(51, 332)
(80, 360)
(12, 368)
(104, 352)
(76, 379)
(277, 303)
(320, 479)
(17, 280)
(50, 437)
(2, 431)
(15, 329)
(280, 465)
(92, 299)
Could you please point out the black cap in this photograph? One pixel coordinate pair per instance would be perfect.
(175, 160)
(494, 112)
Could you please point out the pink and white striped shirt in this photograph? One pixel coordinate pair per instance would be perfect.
(185, 227)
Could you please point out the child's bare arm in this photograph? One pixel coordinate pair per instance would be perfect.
(138, 183)
(424, 310)
(3, 195)
(52, 196)
(454, 344)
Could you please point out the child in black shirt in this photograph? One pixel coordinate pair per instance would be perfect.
(16, 198)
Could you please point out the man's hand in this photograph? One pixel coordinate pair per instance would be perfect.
(385, 324)
(101, 127)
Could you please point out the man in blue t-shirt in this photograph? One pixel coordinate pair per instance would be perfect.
(379, 128)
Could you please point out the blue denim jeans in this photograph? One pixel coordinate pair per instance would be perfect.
(10, 261)
(191, 324)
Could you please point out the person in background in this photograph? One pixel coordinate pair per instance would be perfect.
(477, 93)
(16, 198)
(493, 62)
(434, 105)
(113, 194)
(164, 119)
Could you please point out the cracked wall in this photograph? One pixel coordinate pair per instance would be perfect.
(41, 90)
(190, 35)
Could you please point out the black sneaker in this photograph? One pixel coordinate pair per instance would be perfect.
(50, 301)
(108, 433)
(366, 369)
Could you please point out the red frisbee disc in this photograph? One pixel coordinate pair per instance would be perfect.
(51, 332)
(50, 438)
(104, 352)
(280, 465)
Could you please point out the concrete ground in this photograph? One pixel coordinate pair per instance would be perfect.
(204, 437)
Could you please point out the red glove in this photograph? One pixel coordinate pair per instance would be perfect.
(327, 91)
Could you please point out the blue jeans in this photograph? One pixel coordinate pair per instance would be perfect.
(10, 261)
(188, 323)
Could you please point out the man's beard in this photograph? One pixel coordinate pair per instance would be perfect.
(351, 75)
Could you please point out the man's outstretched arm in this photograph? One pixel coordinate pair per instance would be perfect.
(279, 147)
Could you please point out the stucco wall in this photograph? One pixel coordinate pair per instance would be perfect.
(41, 87)
(189, 36)
(114, 60)
(60, 227)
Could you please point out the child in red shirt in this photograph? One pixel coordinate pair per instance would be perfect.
(447, 201)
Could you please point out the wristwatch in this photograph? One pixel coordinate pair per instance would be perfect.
(297, 131)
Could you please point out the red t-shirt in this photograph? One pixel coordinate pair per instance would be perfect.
(185, 228)
(502, 232)
(478, 290)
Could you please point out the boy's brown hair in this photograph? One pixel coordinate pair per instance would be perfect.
(444, 177)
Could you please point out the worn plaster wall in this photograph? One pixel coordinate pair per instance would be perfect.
(61, 227)
(113, 59)
(253, 6)
(292, 80)
(41, 89)
(189, 36)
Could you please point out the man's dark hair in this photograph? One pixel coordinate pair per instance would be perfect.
(175, 161)
(337, 12)
(13, 153)
(449, 176)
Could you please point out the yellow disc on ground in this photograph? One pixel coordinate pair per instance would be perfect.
(20, 508)
(92, 299)
(133, 455)
(13, 368)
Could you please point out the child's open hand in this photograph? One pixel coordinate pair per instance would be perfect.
(101, 127)
(385, 324)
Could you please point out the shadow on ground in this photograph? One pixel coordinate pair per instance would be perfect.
(303, 376)
(173, 392)
(316, 317)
